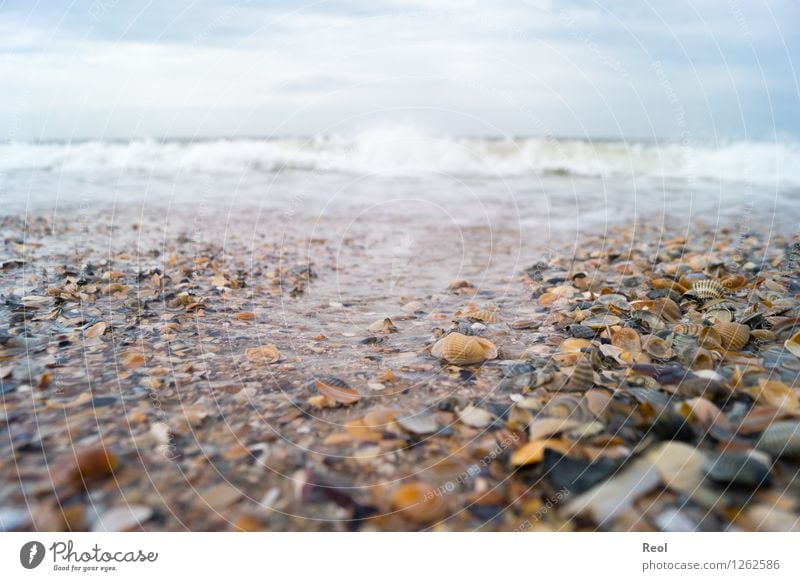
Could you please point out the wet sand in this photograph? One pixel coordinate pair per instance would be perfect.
(133, 396)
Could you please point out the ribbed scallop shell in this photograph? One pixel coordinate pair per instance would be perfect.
(708, 289)
(707, 337)
(459, 349)
(781, 439)
(733, 336)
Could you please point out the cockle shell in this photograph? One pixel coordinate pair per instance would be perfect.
(459, 349)
(707, 289)
(733, 336)
(489, 315)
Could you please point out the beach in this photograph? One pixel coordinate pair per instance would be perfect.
(397, 333)
(214, 362)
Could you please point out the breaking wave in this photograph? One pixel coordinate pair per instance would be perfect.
(406, 151)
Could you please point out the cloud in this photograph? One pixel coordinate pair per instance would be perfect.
(107, 68)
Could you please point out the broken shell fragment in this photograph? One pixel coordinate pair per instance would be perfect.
(264, 354)
(792, 344)
(475, 417)
(460, 349)
(707, 289)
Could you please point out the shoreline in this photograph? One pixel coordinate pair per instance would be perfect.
(136, 372)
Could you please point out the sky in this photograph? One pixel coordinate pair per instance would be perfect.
(678, 70)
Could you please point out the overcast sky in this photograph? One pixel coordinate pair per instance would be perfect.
(703, 69)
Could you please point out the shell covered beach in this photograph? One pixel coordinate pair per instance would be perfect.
(277, 373)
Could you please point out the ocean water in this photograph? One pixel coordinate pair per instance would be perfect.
(400, 175)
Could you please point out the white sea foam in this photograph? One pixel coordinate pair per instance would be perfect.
(407, 151)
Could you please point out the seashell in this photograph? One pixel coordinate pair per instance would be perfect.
(475, 417)
(666, 309)
(527, 323)
(702, 359)
(581, 331)
(737, 469)
(720, 315)
(582, 377)
(707, 289)
(680, 465)
(734, 281)
(533, 452)
(573, 345)
(122, 518)
(87, 465)
(705, 336)
(781, 439)
(383, 326)
(96, 330)
(667, 284)
(336, 389)
(418, 502)
(765, 336)
(601, 321)
(619, 302)
(264, 354)
(647, 319)
(422, 423)
(567, 405)
(544, 427)
(774, 393)
(605, 502)
(733, 336)
(627, 339)
(489, 315)
(656, 347)
(460, 349)
(792, 344)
